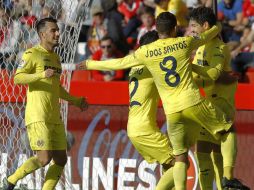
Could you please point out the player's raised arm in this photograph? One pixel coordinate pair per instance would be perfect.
(112, 64)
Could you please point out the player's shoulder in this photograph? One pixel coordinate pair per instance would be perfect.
(188, 39)
(31, 52)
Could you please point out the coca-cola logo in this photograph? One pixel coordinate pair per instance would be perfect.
(105, 143)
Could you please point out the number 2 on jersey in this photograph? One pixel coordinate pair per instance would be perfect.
(171, 71)
(133, 102)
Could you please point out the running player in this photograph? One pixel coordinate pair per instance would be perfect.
(40, 68)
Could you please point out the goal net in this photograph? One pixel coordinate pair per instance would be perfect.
(17, 33)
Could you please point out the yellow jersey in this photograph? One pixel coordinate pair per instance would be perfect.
(43, 93)
(210, 61)
(168, 61)
(144, 99)
(178, 8)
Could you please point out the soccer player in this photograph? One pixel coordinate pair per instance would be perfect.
(210, 61)
(40, 68)
(142, 129)
(168, 60)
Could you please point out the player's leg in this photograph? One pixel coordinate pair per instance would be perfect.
(55, 170)
(207, 165)
(38, 134)
(220, 126)
(59, 157)
(181, 135)
(218, 168)
(155, 147)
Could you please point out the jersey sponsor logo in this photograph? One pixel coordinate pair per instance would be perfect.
(219, 55)
(22, 63)
(57, 70)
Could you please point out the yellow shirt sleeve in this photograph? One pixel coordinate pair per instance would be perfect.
(216, 63)
(23, 74)
(212, 73)
(113, 64)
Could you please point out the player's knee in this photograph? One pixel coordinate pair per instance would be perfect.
(44, 160)
(230, 130)
(182, 157)
(61, 161)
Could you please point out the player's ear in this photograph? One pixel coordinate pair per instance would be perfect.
(41, 34)
(206, 25)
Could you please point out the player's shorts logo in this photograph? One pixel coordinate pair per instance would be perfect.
(40, 143)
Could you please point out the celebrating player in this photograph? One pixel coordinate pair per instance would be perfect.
(210, 61)
(142, 128)
(40, 68)
(168, 60)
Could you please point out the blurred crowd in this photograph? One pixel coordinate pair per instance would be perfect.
(116, 26)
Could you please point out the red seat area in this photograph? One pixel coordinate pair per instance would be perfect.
(81, 75)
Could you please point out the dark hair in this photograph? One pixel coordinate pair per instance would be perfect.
(165, 23)
(149, 37)
(146, 10)
(157, 1)
(202, 15)
(41, 23)
(104, 38)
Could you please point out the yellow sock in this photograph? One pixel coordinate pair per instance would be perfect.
(26, 168)
(229, 151)
(166, 181)
(206, 173)
(52, 177)
(218, 168)
(180, 175)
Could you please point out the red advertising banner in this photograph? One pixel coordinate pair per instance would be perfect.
(100, 133)
(102, 157)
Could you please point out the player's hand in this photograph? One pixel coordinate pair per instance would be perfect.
(84, 104)
(234, 53)
(49, 73)
(82, 66)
